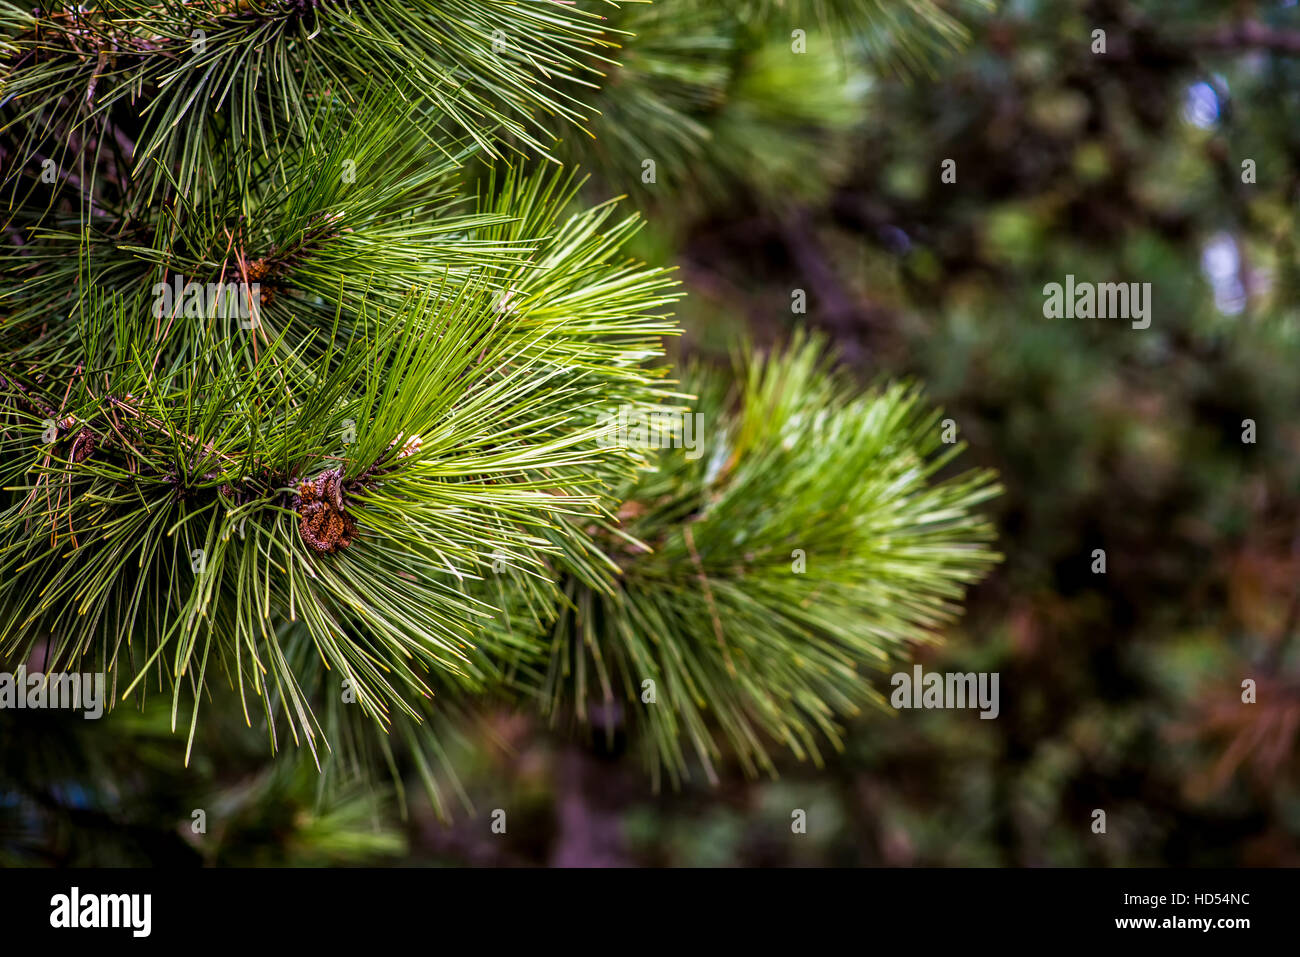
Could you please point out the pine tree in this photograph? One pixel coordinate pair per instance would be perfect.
(331, 400)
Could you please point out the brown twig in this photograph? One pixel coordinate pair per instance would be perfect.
(708, 597)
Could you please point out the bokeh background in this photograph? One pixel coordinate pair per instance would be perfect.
(1119, 691)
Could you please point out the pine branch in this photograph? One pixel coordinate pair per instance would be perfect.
(298, 397)
(812, 537)
(177, 77)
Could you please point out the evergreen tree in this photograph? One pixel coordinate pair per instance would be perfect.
(331, 402)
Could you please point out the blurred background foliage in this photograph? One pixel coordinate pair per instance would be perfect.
(821, 172)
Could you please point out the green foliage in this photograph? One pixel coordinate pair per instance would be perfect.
(423, 363)
(237, 76)
(373, 487)
(815, 539)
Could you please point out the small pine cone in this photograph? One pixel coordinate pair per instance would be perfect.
(322, 522)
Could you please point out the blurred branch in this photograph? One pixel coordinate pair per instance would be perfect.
(837, 307)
